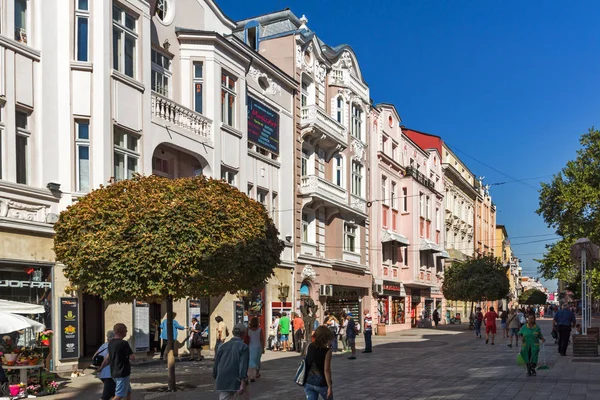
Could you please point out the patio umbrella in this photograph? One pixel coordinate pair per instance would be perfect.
(14, 307)
(14, 322)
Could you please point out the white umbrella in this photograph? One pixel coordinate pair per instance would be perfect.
(14, 322)
(15, 307)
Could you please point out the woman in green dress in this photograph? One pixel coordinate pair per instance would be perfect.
(531, 336)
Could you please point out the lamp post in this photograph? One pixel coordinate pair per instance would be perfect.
(584, 251)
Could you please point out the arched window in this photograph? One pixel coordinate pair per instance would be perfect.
(305, 289)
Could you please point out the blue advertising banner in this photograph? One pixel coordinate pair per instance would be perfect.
(263, 125)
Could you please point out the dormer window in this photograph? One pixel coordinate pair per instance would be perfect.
(252, 35)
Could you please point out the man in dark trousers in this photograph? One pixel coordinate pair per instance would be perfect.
(563, 321)
(368, 331)
(119, 357)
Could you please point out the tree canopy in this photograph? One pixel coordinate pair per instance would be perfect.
(570, 204)
(533, 296)
(476, 279)
(151, 237)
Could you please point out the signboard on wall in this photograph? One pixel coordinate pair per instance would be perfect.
(141, 325)
(238, 312)
(194, 309)
(263, 125)
(69, 328)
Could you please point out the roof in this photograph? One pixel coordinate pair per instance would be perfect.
(424, 140)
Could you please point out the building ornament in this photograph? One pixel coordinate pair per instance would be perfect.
(298, 56)
(22, 211)
(267, 84)
(345, 62)
(358, 150)
(308, 272)
(320, 72)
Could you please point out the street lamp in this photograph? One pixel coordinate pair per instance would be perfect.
(582, 251)
(284, 292)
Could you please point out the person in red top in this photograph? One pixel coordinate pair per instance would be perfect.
(490, 325)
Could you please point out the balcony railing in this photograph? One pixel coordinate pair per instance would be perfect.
(313, 184)
(180, 116)
(359, 204)
(318, 118)
(421, 178)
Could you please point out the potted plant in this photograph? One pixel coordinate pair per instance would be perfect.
(51, 387)
(34, 389)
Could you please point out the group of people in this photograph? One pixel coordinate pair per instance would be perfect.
(286, 334)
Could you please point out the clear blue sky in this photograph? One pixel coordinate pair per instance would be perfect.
(510, 83)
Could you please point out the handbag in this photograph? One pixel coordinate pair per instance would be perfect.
(300, 373)
(554, 334)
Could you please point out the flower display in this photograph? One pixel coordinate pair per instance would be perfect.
(34, 389)
(51, 387)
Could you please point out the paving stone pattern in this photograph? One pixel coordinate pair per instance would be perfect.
(419, 364)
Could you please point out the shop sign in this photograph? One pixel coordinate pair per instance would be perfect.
(69, 328)
(141, 325)
(194, 307)
(263, 125)
(391, 288)
(238, 312)
(25, 284)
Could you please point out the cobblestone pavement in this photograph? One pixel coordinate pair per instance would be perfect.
(418, 364)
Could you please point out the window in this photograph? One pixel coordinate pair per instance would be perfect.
(250, 187)
(261, 196)
(304, 94)
(305, 227)
(384, 140)
(356, 129)
(349, 237)
(356, 179)
(161, 73)
(82, 143)
(339, 114)
(394, 249)
(228, 176)
(162, 8)
(428, 208)
(305, 161)
(394, 151)
(126, 154)
(421, 205)
(82, 17)
(252, 37)
(405, 199)
(405, 256)
(22, 146)
(198, 82)
(124, 42)
(21, 14)
(393, 195)
(274, 214)
(227, 98)
(338, 171)
(384, 196)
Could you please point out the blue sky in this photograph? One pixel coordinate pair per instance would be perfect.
(508, 84)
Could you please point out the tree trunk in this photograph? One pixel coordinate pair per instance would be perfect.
(170, 345)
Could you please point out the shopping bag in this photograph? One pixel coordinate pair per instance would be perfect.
(299, 377)
(520, 360)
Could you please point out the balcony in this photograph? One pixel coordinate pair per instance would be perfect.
(318, 127)
(359, 204)
(179, 116)
(313, 185)
(421, 178)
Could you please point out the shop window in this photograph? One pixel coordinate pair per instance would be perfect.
(398, 307)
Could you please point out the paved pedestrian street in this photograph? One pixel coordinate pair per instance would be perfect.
(418, 364)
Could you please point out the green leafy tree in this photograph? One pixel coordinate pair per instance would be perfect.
(476, 279)
(533, 296)
(158, 239)
(570, 204)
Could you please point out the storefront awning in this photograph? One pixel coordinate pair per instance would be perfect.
(389, 236)
(428, 245)
(15, 307)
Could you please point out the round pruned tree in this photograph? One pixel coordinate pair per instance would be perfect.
(159, 239)
(533, 297)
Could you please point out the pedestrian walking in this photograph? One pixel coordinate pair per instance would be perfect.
(222, 332)
(563, 321)
(119, 358)
(478, 322)
(317, 380)
(504, 324)
(163, 333)
(155, 336)
(334, 326)
(298, 325)
(108, 390)
(490, 325)
(195, 340)
(368, 330)
(513, 326)
(230, 369)
(256, 344)
(342, 335)
(274, 329)
(436, 318)
(531, 335)
(284, 330)
(351, 331)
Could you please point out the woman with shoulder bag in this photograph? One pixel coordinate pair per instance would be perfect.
(343, 337)
(256, 344)
(108, 391)
(317, 380)
(195, 341)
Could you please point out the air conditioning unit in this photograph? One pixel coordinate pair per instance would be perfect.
(326, 290)
(378, 288)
